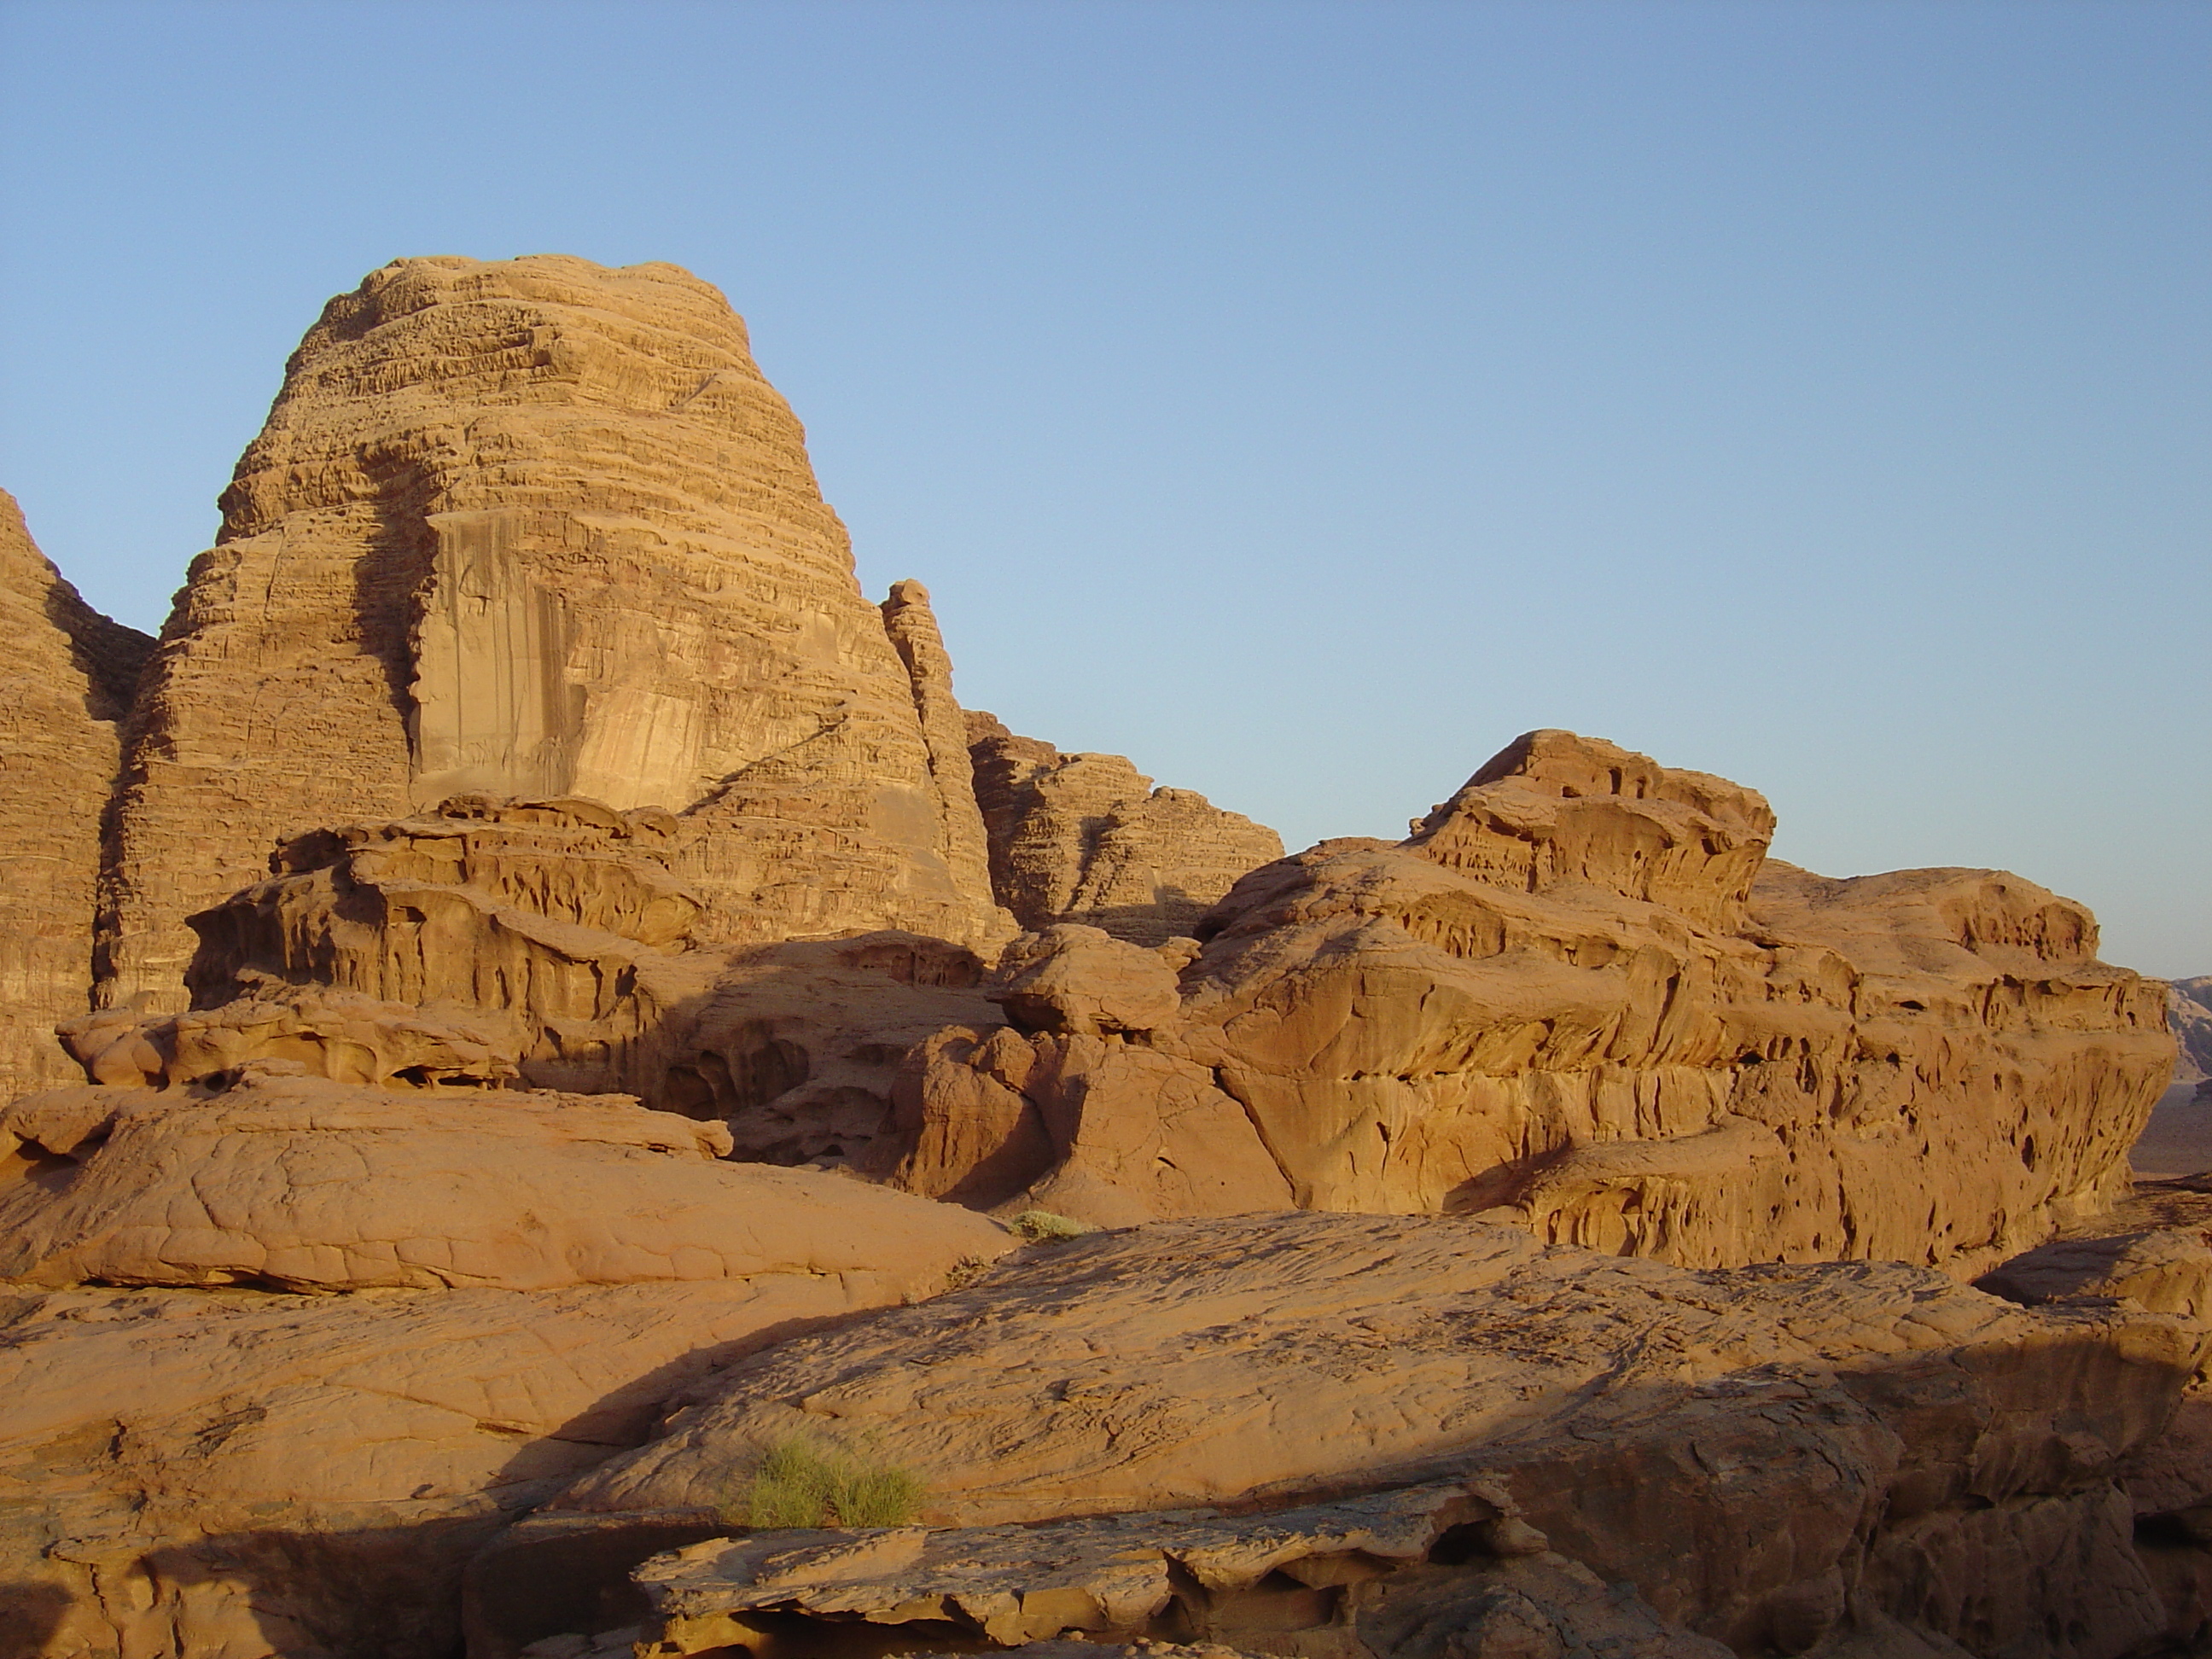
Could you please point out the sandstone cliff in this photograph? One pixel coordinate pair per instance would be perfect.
(1578, 995)
(1086, 838)
(536, 527)
(67, 680)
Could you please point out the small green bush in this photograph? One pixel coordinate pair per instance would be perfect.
(1046, 1227)
(801, 1483)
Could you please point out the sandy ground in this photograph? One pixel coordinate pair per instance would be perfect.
(2178, 1140)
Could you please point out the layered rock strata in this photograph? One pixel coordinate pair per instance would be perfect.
(1086, 838)
(1578, 994)
(564, 918)
(535, 527)
(67, 681)
(1778, 1458)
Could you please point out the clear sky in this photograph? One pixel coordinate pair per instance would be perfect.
(1302, 399)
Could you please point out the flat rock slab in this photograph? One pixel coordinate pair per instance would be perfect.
(298, 1183)
(1344, 1572)
(1739, 1444)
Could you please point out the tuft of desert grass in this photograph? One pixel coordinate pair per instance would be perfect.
(800, 1482)
(1045, 1228)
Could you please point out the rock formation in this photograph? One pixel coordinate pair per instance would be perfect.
(563, 918)
(1086, 838)
(536, 527)
(1578, 994)
(366, 1327)
(67, 681)
(1772, 1457)
(1541, 1236)
(1366, 1573)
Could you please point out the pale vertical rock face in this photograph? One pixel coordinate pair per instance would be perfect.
(912, 626)
(535, 527)
(65, 682)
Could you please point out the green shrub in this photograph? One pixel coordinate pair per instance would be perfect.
(801, 1483)
(1046, 1227)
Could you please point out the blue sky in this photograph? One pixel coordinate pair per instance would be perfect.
(1302, 399)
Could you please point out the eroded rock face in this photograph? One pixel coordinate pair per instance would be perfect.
(563, 918)
(535, 527)
(296, 1030)
(66, 680)
(1086, 838)
(1742, 1446)
(1365, 1575)
(1606, 1016)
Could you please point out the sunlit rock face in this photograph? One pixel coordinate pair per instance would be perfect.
(65, 680)
(1579, 995)
(1087, 839)
(537, 528)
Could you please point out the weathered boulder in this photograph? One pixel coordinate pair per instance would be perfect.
(535, 527)
(1602, 1013)
(1086, 838)
(302, 1184)
(66, 680)
(1773, 1456)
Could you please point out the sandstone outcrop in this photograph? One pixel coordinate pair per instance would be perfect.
(535, 527)
(1372, 1575)
(302, 1184)
(232, 1471)
(296, 1030)
(1775, 1457)
(1579, 995)
(67, 681)
(280, 1354)
(563, 918)
(1086, 838)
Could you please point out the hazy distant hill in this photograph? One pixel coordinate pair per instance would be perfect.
(2189, 1011)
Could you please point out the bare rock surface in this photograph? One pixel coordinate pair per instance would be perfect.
(67, 680)
(555, 512)
(275, 1477)
(1580, 995)
(1771, 1455)
(1085, 838)
(301, 1184)
(1361, 1576)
